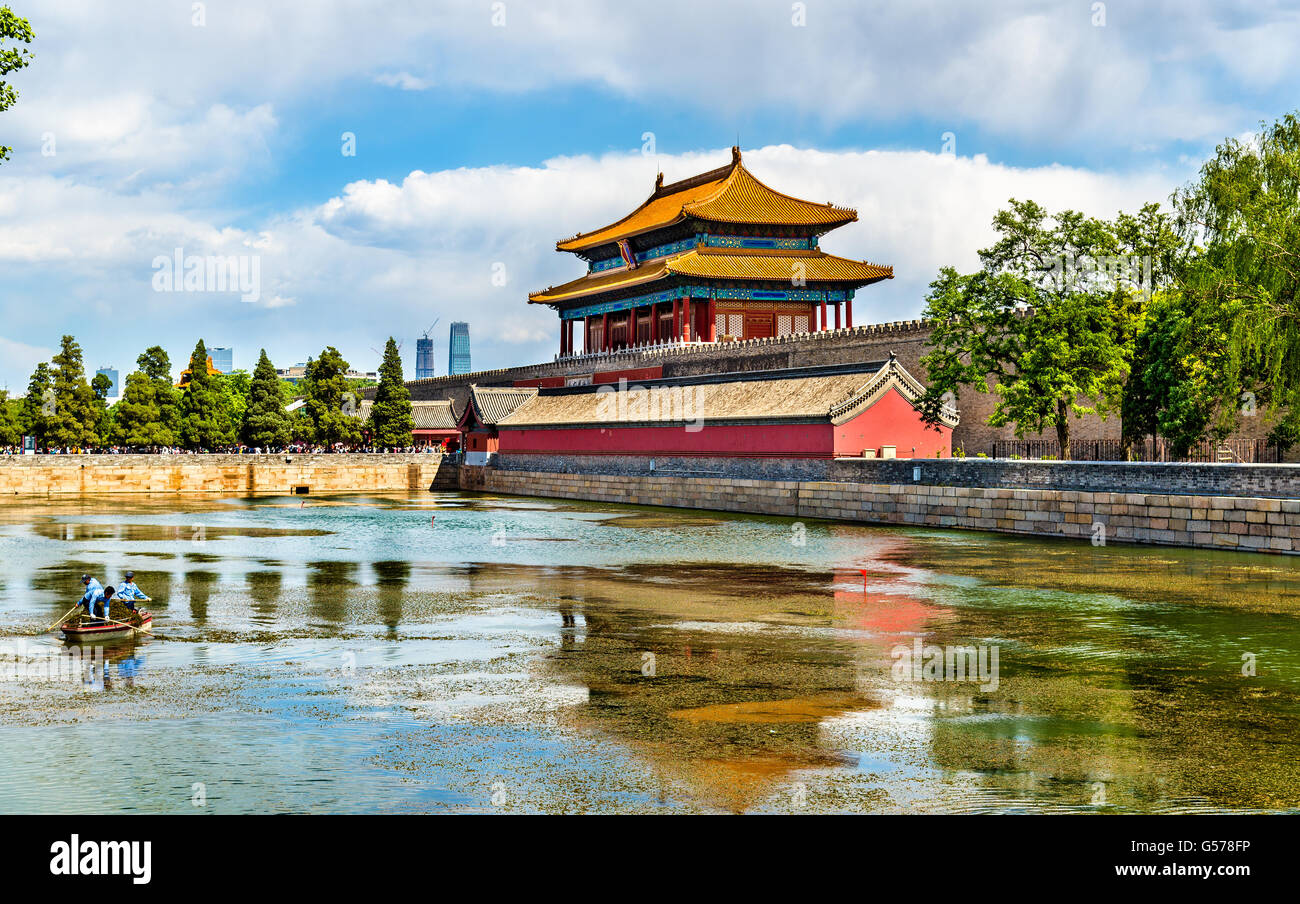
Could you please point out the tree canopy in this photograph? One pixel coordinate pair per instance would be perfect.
(12, 28)
(1240, 225)
(204, 418)
(1042, 324)
(148, 412)
(75, 420)
(390, 416)
(328, 412)
(265, 421)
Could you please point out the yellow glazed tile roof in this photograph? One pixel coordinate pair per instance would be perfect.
(723, 263)
(602, 282)
(743, 199)
(730, 194)
(812, 266)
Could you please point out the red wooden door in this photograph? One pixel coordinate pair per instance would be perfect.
(759, 326)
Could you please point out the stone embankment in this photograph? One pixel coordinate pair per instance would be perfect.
(94, 475)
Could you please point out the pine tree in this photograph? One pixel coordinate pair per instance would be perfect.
(147, 413)
(38, 405)
(327, 394)
(266, 423)
(76, 416)
(204, 423)
(390, 416)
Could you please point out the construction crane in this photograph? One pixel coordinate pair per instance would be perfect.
(430, 329)
(400, 343)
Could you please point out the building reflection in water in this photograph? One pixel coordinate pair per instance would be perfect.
(198, 587)
(329, 586)
(684, 667)
(264, 587)
(391, 579)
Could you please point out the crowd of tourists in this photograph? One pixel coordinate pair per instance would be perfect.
(292, 448)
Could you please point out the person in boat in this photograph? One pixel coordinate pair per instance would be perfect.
(94, 597)
(128, 592)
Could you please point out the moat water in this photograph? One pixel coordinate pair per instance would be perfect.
(447, 652)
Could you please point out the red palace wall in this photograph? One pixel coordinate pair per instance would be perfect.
(891, 421)
(728, 440)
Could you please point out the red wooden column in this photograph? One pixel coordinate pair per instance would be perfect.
(563, 330)
(604, 334)
(686, 319)
(837, 315)
(848, 311)
(677, 319)
(822, 325)
(654, 322)
(712, 331)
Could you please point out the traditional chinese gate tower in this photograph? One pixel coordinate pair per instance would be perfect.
(716, 257)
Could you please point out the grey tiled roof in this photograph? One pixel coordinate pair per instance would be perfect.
(827, 397)
(491, 404)
(438, 414)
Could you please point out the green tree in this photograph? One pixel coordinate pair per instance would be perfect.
(328, 412)
(204, 421)
(234, 394)
(1042, 325)
(101, 385)
(38, 405)
(75, 421)
(1152, 245)
(1240, 225)
(265, 422)
(11, 430)
(148, 411)
(12, 28)
(1179, 376)
(390, 416)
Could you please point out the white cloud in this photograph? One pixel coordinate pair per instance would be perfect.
(1025, 69)
(403, 80)
(386, 257)
(20, 360)
(154, 119)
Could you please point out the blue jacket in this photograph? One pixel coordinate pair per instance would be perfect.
(127, 590)
(94, 593)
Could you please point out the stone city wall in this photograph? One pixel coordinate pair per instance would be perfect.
(1253, 523)
(93, 475)
(1212, 479)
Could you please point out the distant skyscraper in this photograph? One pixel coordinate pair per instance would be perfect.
(458, 359)
(110, 372)
(424, 368)
(223, 359)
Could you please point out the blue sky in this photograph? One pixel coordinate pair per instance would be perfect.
(485, 131)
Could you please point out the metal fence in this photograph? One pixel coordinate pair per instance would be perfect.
(1252, 451)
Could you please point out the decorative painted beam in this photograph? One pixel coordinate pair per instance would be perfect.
(699, 291)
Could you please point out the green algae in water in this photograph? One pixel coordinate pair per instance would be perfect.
(658, 660)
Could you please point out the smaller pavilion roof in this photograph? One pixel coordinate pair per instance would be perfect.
(490, 404)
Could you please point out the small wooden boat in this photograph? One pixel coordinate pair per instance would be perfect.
(99, 631)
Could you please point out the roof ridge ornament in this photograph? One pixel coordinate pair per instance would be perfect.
(735, 154)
